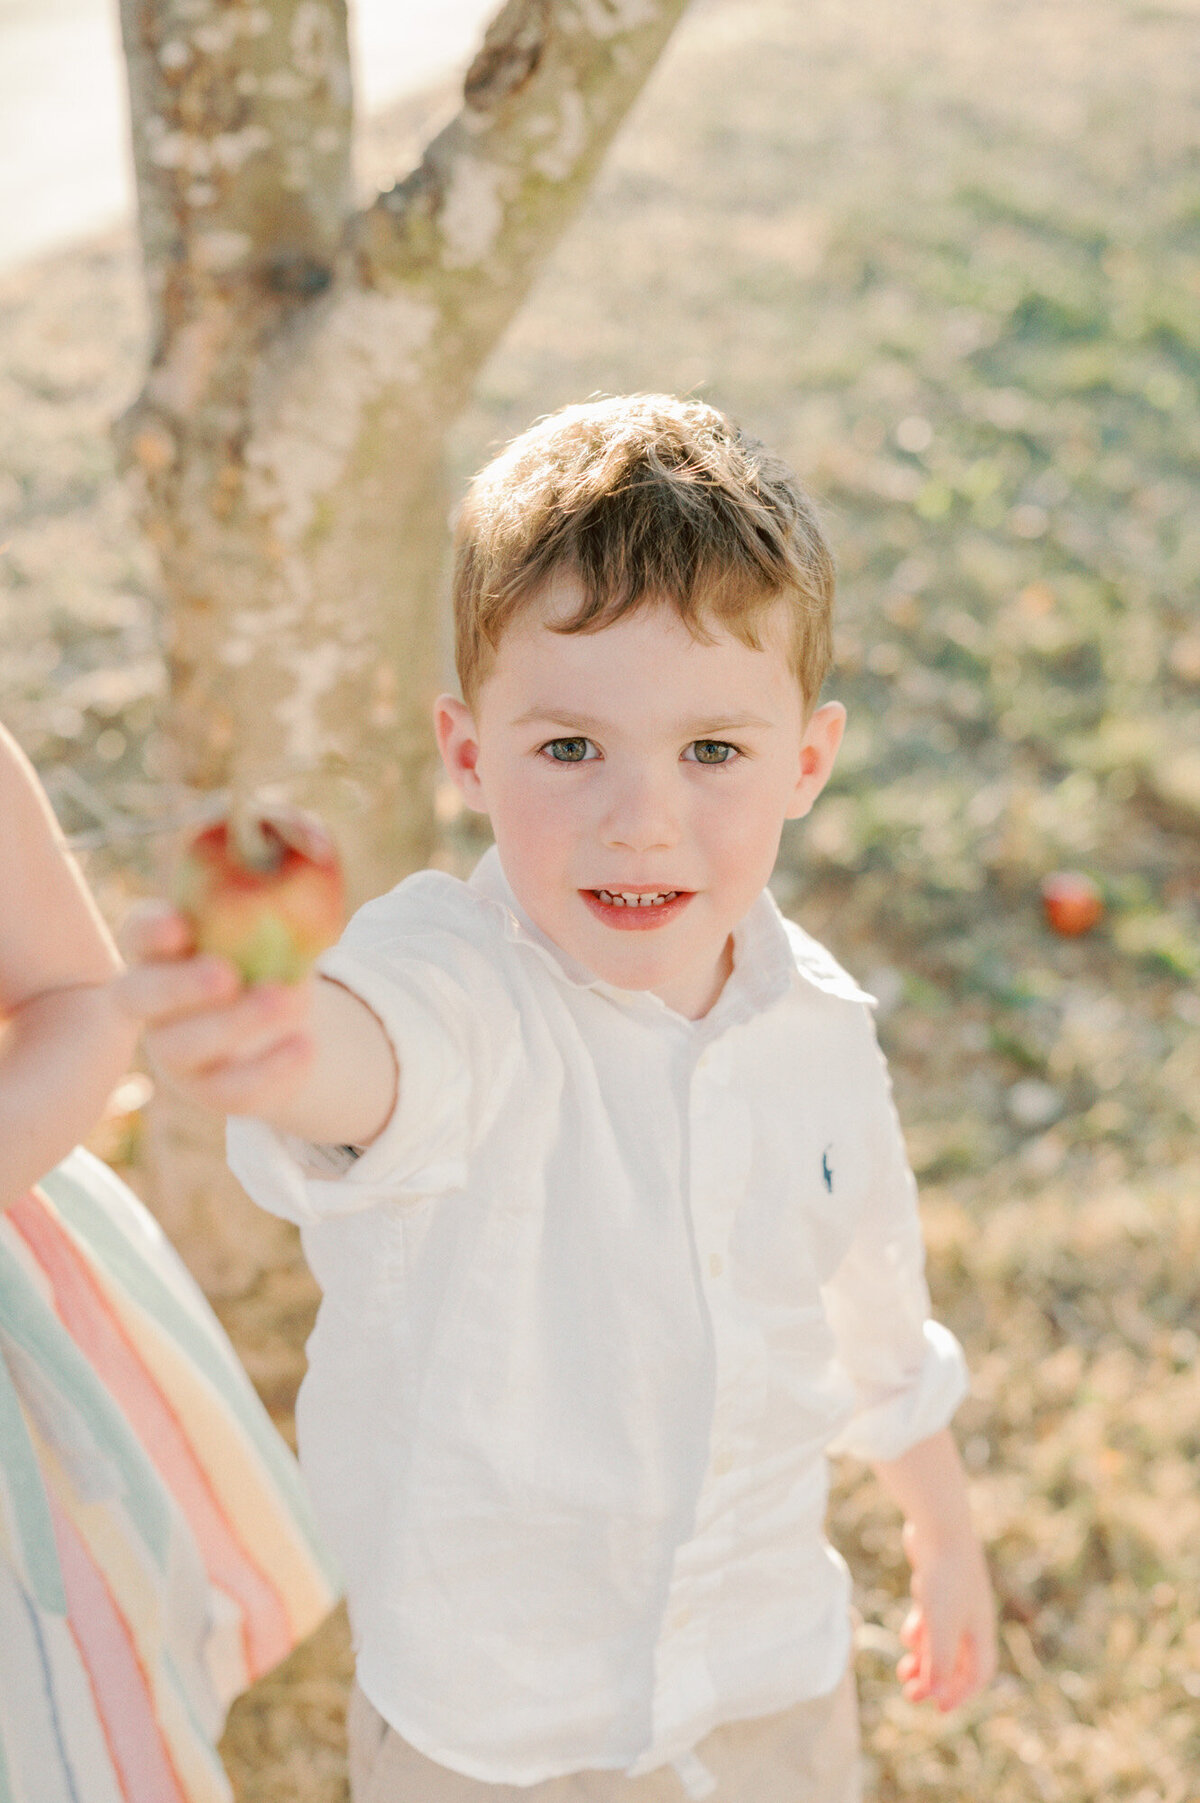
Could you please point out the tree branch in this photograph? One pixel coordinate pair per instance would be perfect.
(242, 119)
(472, 224)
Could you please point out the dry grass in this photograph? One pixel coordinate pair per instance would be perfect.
(945, 258)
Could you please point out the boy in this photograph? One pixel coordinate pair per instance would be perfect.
(597, 1168)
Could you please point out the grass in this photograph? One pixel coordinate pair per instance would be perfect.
(945, 259)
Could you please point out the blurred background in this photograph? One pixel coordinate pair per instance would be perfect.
(946, 259)
(64, 161)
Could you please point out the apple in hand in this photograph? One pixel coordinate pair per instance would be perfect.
(265, 891)
(1072, 902)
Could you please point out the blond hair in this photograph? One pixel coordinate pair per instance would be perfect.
(641, 498)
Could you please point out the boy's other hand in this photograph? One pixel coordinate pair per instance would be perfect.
(950, 1632)
(231, 1048)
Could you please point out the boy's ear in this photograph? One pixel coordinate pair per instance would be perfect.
(458, 742)
(818, 749)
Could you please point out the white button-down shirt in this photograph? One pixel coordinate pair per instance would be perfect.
(597, 1303)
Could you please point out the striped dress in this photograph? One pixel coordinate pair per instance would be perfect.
(157, 1552)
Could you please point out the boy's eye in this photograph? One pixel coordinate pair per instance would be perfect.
(711, 751)
(570, 751)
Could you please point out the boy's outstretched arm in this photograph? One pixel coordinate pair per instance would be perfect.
(309, 1058)
(950, 1632)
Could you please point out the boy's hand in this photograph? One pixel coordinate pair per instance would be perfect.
(950, 1632)
(235, 1049)
(309, 1058)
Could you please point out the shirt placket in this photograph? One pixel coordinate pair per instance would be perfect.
(719, 1135)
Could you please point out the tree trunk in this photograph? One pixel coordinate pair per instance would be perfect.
(307, 363)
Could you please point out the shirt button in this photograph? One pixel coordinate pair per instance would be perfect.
(716, 1264)
(722, 1464)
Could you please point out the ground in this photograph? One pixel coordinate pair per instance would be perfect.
(944, 258)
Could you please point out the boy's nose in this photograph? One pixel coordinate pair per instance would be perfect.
(640, 818)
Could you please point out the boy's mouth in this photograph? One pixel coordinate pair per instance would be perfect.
(636, 908)
(636, 898)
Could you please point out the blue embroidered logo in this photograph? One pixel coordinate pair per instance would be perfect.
(826, 1170)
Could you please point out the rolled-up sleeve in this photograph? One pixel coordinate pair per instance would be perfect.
(908, 1371)
(452, 1032)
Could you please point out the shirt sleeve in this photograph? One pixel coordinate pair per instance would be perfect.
(908, 1371)
(453, 1031)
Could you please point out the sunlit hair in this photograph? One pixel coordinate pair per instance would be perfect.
(643, 499)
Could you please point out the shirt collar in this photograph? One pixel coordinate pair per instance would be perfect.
(488, 880)
(771, 956)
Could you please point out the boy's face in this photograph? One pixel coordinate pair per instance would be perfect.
(638, 762)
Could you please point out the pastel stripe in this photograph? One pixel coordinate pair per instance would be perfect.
(25, 1318)
(88, 1762)
(48, 1728)
(26, 1500)
(186, 1716)
(278, 1546)
(197, 1762)
(29, 1710)
(124, 1700)
(183, 1344)
(156, 1545)
(98, 1333)
(41, 1672)
(92, 1200)
(167, 1607)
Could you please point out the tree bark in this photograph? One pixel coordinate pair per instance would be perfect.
(307, 362)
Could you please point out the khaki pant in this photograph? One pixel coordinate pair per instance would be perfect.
(808, 1754)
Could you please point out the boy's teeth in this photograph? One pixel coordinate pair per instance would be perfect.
(627, 898)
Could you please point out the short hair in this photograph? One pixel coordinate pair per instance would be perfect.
(643, 499)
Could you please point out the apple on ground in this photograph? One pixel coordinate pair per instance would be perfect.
(265, 891)
(1072, 902)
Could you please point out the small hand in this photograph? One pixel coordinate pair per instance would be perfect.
(235, 1049)
(950, 1632)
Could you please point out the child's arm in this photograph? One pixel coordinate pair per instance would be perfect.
(950, 1632)
(309, 1059)
(64, 1044)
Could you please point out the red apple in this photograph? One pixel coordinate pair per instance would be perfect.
(1072, 902)
(266, 893)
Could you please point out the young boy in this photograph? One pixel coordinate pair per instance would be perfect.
(597, 1167)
